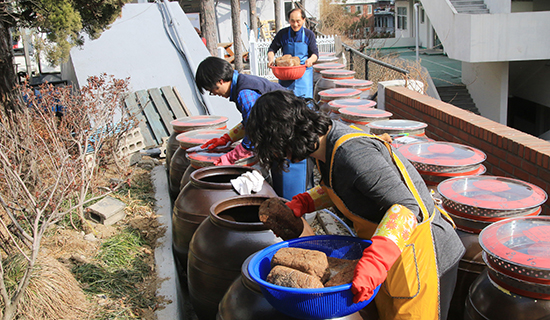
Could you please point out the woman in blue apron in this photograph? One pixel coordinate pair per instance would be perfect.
(298, 42)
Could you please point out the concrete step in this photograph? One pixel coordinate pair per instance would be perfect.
(467, 2)
(458, 96)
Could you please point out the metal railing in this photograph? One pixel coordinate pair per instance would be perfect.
(366, 58)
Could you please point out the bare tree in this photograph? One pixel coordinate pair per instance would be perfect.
(236, 24)
(50, 155)
(208, 25)
(278, 22)
(253, 18)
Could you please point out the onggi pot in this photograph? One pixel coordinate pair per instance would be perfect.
(207, 186)
(219, 247)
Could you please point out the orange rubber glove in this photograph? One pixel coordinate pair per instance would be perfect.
(232, 156)
(224, 140)
(301, 204)
(372, 268)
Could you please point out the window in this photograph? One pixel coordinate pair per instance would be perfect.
(422, 15)
(402, 18)
(369, 9)
(288, 6)
(359, 9)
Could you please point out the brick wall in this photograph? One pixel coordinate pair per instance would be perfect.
(510, 152)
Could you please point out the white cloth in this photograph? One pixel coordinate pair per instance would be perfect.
(218, 148)
(248, 182)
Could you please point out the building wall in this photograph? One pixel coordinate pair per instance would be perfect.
(510, 152)
(487, 83)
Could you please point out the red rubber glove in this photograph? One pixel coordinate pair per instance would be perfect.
(232, 156)
(372, 268)
(301, 204)
(216, 142)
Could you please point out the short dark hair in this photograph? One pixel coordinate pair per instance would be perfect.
(281, 124)
(303, 14)
(210, 71)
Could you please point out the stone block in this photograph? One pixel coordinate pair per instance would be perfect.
(106, 211)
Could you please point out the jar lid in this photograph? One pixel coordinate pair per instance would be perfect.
(335, 105)
(198, 122)
(203, 158)
(354, 83)
(434, 178)
(326, 59)
(441, 156)
(194, 138)
(396, 126)
(339, 93)
(519, 245)
(402, 140)
(338, 74)
(327, 54)
(490, 196)
(329, 65)
(363, 114)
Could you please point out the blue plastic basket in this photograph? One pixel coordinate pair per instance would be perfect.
(323, 303)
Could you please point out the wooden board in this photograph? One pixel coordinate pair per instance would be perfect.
(152, 116)
(133, 108)
(175, 105)
(178, 96)
(162, 107)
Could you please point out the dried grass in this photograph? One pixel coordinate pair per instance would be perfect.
(53, 292)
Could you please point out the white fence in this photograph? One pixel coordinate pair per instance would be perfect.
(258, 54)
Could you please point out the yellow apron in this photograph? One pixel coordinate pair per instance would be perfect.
(411, 289)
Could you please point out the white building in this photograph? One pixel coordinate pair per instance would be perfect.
(504, 48)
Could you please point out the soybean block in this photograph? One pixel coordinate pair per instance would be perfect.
(287, 277)
(312, 262)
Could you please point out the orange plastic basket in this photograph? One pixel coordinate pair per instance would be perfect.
(289, 73)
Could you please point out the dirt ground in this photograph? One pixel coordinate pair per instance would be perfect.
(75, 248)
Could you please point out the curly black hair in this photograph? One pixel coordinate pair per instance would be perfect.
(210, 71)
(281, 126)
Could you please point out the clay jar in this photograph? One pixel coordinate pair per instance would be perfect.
(219, 247)
(190, 123)
(180, 162)
(207, 186)
(486, 300)
(244, 301)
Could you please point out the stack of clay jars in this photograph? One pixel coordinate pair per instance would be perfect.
(516, 284)
(187, 124)
(437, 161)
(336, 105)
(398, 127)
(364, 86)
(328, 95)
(324, 57)
(474, 203)
(320, 82)
(180, 162)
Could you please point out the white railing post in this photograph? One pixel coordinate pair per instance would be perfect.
(253, 54)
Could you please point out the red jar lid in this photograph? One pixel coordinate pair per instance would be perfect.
(329, 65)
(326, 59)
(335, 105)
(363, 115)
(194, 138)
(338, 74)
(203, 158)
(429, 156)
(199, 122)
(519, 247)
(397, 126)
(339, 93)
(358, 84)
(490, 196)
(403, 140)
